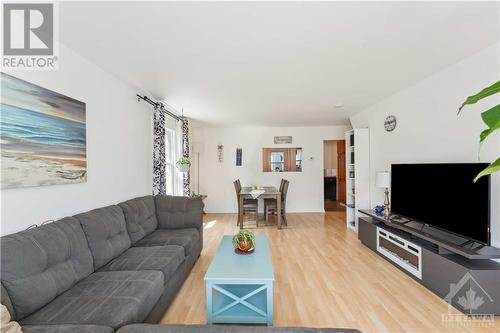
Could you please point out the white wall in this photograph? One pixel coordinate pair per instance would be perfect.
(216, 179)
(428, 128)
(119, 147)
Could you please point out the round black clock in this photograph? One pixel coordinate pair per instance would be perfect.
(390, 123)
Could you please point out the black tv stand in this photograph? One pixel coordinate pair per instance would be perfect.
(439, 268)
(446, 242)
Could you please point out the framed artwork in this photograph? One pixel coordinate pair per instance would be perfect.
(239, 156)
(220, 153)
(282, 140)
(43, 136)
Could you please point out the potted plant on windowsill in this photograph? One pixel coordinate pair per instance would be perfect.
(183, 164)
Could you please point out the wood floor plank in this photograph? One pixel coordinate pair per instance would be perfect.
(325, 278)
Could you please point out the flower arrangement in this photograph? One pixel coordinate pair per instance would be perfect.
(183, 164)
(244, 242)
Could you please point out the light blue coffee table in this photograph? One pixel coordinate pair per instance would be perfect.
(239, 288)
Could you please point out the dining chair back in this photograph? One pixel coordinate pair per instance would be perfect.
(283, 180)
(249, 205)
(270, 205)
(284, 190)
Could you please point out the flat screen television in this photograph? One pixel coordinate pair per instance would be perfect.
(444, 196)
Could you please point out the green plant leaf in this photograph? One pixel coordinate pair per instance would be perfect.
(484, 134)
(491, 117)
(493, 89)
(493, 167)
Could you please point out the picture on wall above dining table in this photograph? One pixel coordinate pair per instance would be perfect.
(43, 136)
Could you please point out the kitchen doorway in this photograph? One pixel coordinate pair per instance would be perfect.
(334, 175)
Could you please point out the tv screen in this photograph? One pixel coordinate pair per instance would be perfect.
(444, 196)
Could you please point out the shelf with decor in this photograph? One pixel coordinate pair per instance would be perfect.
(357, 172)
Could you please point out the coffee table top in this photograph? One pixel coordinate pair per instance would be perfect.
(227, 265)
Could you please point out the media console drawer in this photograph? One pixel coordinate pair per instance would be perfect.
(400, 251)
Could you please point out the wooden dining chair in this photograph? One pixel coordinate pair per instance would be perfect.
(272, 201)
(271, 206)
(249, 205)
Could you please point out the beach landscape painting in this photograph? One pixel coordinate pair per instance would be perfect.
(43, 136)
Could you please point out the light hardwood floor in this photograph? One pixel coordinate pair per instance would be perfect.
(325, 278)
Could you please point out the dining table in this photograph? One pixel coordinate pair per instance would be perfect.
(267, 192)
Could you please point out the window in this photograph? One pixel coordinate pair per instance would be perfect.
(277, 161)
(298, 160)
(170, 156)
(281, 159)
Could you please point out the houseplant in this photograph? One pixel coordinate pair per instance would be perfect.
(244, 242)
(491, 118)
(183, 164)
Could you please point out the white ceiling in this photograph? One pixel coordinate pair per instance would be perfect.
(276, 64)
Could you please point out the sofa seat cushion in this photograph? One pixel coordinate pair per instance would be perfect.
(186, 238)
(149, 328)
(162, 258)
(104, 298)
(67, 329)
(41, 263)
(140, 216)
(106, 233)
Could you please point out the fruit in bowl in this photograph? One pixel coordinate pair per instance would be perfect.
(244, 242)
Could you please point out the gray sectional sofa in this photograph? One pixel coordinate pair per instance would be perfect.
(110, 266)
(108, 269)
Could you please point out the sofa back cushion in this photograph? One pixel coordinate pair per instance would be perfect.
(179, 212)
(41, 263)
(140, 216)
(106, 233)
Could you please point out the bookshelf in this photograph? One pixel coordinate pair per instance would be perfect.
(357, 174)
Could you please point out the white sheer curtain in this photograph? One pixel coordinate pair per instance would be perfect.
(179, 179)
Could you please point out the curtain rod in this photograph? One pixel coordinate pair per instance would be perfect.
(160, 106)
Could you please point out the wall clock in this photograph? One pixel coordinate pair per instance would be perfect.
(390, 123)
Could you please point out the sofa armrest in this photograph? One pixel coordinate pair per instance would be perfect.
(179, 212)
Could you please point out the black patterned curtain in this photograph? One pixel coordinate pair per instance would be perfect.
(159, 175)
(185, 153)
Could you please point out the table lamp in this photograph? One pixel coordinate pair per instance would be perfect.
(383, 180)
